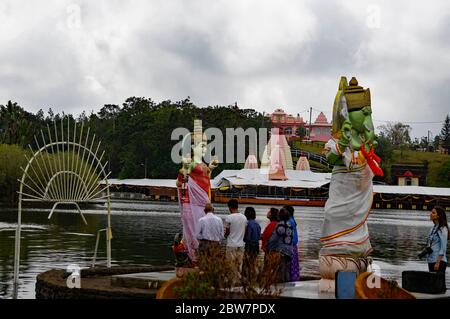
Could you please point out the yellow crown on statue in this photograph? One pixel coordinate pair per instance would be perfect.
(356, 96)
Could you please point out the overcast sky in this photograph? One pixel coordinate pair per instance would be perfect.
(78, 55)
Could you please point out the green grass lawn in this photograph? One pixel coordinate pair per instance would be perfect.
(315, 147)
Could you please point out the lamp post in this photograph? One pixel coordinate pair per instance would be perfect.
(429, 137)
(145, 168)
(310, 119)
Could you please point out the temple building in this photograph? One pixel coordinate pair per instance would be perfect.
(292, 126)
(409, 174)
(320, 130)
(289, 125)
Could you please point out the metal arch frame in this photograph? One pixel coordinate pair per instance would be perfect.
(87, 197)
(65, 172)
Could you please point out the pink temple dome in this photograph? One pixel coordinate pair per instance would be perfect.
(321, 119)
(251, 162)
(303, 164)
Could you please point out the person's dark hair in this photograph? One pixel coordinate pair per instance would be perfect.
(209, 208)
(283, 215)
(273, 215)
(290, 209)
(250, 213)
(442, 216)
(233, 204)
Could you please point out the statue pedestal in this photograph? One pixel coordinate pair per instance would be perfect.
(329, 265)
(327, 285)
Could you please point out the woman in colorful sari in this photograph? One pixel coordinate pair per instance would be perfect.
(295, 269)
(279, 247)
(272, 215)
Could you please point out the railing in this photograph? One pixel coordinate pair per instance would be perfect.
(96, 245)
(128, 195)
(311, 156)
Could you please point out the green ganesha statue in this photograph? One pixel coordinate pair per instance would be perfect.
(345, 243)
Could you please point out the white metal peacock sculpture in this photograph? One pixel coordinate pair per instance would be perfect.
(66, 168)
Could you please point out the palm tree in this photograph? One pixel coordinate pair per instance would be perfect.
(16, 125)
(10, 119)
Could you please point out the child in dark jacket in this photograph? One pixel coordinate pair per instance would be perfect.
(251, 239)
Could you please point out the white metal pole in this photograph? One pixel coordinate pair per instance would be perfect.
(109, 231)
(17, 244)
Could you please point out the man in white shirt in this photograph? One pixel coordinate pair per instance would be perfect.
(209, 233)
(235, 231)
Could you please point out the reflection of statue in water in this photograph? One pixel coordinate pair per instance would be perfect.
(194, 189)
(345, 236)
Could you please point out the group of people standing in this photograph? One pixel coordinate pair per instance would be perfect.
(243, 236)
(280, 240)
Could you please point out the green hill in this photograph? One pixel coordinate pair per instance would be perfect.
(315, 147)
(434, 161)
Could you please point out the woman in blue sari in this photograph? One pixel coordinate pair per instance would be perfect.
(295, 269)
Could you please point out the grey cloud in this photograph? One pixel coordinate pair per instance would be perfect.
(337, 38)
(219, 55)
(194, 47)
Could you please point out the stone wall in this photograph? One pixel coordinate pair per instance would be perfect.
(52, 284)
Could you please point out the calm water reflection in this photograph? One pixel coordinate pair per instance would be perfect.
(143, 234)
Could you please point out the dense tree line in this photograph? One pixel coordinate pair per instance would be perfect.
(398, 136)
(136, 136)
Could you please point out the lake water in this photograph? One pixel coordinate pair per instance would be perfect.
(143, 234)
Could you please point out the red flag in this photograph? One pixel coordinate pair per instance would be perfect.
(372, 160)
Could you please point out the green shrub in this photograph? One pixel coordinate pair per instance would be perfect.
(444, 173)
(12, 157)
(214, 280)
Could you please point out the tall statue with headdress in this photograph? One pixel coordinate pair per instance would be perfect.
(194, 188)
(345, 243)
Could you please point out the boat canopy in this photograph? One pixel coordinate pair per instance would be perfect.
(411, 190)
(296, 179)
(260, 177)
